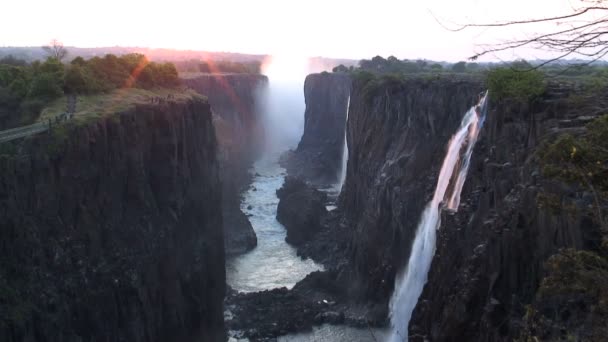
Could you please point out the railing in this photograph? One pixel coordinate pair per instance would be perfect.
(24, 131)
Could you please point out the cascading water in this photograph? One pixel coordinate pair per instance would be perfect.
(410, 283)
(344, 150)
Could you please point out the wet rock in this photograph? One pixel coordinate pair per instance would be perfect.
(397, 134)
(301, 210)
(521, 219)
(330, 317)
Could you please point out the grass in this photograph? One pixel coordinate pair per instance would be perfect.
(119, 100)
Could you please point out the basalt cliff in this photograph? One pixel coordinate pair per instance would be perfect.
(523, 256)
(238, 123)
(318, 157)
(111, 229)
(510, 264)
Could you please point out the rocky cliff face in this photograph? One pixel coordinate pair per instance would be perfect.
(397, 134)
(110, 230)
(319, 153)
(236, 117)
(301, 210)
(491, 254)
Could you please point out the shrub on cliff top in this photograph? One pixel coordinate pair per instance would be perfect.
(572, 300)
(517, 82)
(582, 160)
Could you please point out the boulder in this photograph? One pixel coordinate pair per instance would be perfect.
(301, 209)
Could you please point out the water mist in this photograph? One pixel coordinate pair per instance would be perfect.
(283, 101)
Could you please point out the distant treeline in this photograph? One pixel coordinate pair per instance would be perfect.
(221, 66)
(25, 88)
(517, 83)
(393, 65)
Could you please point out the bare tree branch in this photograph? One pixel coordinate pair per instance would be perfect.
(532, 21)
(56, 50)
(583, 35)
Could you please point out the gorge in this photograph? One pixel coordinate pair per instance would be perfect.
(411, 207)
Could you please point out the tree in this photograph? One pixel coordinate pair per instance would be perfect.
(581, 33)
(459, 67)
(12, 60)
(516, 82)
(340, 68)
(436, 67)
(56, 50)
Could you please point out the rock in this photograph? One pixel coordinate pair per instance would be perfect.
(398, 133)
(318, 158)
(239, 131)
(301, 209)
(113, 230)
(521, 218)
(329, 317)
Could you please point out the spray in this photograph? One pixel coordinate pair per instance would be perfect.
(344, 149)
(409, 284)
(283, 101)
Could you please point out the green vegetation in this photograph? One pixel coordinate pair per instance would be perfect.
(119, 100)
(91, 108)
(220, 66)
(393, 65)
(582, 159)
(100, 74)
(572, 301)
(517, 82)
(27, 88)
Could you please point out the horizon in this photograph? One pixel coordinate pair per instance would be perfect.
(339, 30)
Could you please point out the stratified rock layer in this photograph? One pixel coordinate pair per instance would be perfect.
(111, 230)
(490, 256)
(301, 210)
(398, 131)
(238, 123)
(318, 157)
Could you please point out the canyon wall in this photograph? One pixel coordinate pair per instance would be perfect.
(398, 131)
(491, 255)
(318, 157)
(238, 123)
(111, 230)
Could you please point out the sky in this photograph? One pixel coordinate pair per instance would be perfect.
(331, 28)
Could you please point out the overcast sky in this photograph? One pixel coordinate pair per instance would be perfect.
(332, 28)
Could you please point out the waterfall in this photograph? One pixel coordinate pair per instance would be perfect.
(409, 284)
(344, 149)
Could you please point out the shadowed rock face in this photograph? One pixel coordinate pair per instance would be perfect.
(111, 230)
(237, 120)
(301, 210)
(397, 134)
(490, 255)
(318, 157)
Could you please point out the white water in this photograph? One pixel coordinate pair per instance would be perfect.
(344, 149)
(409, 284)
(272, 263)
